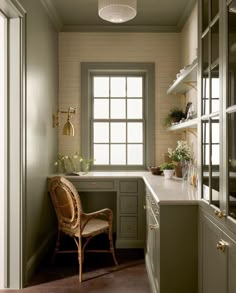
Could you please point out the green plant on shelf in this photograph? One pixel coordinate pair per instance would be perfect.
(175, 115)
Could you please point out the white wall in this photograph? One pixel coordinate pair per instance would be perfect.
(161, 48)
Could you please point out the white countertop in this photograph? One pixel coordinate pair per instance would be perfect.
(165, 191)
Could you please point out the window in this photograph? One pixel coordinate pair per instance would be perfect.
(117, 122)
(118, 115)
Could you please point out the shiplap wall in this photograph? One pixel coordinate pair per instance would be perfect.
(188, 54)
(164, 49)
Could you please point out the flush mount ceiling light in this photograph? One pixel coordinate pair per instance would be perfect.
(117, 11)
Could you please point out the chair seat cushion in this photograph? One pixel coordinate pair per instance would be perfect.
(95, 226)
(92, 228)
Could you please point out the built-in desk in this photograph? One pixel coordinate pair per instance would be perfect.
(168, 210)
(128, 189)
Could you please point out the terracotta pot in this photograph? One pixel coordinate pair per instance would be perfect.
(178, 170)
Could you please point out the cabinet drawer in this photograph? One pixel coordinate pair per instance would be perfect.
(128, 227)
(129, 186)
(128, 204)
(93, 185)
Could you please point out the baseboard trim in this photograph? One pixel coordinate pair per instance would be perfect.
(124, 243)
(38, 256)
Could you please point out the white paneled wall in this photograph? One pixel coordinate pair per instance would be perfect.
(163, 49)
(188, 54)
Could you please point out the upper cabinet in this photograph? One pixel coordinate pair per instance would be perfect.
(217, 96)
(229, 107)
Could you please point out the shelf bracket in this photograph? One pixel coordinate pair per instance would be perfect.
(190, 131)
(192, 84)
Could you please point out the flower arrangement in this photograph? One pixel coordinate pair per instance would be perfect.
(73, 163)
(181, 153)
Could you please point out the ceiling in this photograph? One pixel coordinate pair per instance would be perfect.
(152, 15)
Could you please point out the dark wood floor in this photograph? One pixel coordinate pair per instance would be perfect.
(100, 274)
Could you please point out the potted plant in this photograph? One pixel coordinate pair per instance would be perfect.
(168, 170)
(179, 156)
(175, 115)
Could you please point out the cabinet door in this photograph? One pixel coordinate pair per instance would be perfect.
(210, 101)
(153, 246)
(212, 260)
(231, 263)
(230, 110)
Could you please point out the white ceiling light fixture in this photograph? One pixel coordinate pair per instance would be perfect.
(117, 11)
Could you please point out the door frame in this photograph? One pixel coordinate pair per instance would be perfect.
(15, 169)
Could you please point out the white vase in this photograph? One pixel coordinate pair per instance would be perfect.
(168, 173)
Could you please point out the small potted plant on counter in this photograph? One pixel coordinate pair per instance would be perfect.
(180, 156)
(168, 170)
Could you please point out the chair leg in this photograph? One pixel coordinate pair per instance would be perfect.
(80, 258)
(57, 245)
(112, 246)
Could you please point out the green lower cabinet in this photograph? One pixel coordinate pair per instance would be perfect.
(131, 215)
(171, 246)
(217, 256)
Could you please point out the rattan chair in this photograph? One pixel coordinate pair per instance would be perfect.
(75, 223)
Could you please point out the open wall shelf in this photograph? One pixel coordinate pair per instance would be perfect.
(190, 124)
(186, 81)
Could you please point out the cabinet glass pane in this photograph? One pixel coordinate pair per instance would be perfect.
(205, 160)
(215, 90)
(215, 44)
(118, 87)
(118, 154)
(232, 164)
(101, 86)
(215, 160)
(101, 108)
(214, 8)
(205, 14)
(205, 75)
(232, 54)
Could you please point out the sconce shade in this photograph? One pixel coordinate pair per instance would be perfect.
(117, 11)
(68, 129)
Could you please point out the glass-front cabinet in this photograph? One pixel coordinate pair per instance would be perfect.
(230, 107)
(210, 103)
(217, 41)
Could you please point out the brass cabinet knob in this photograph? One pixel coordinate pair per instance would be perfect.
(156, 212)
(144, 207)
(154, 226)
(221, 245)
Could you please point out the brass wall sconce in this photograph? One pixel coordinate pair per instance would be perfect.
(68, 128)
